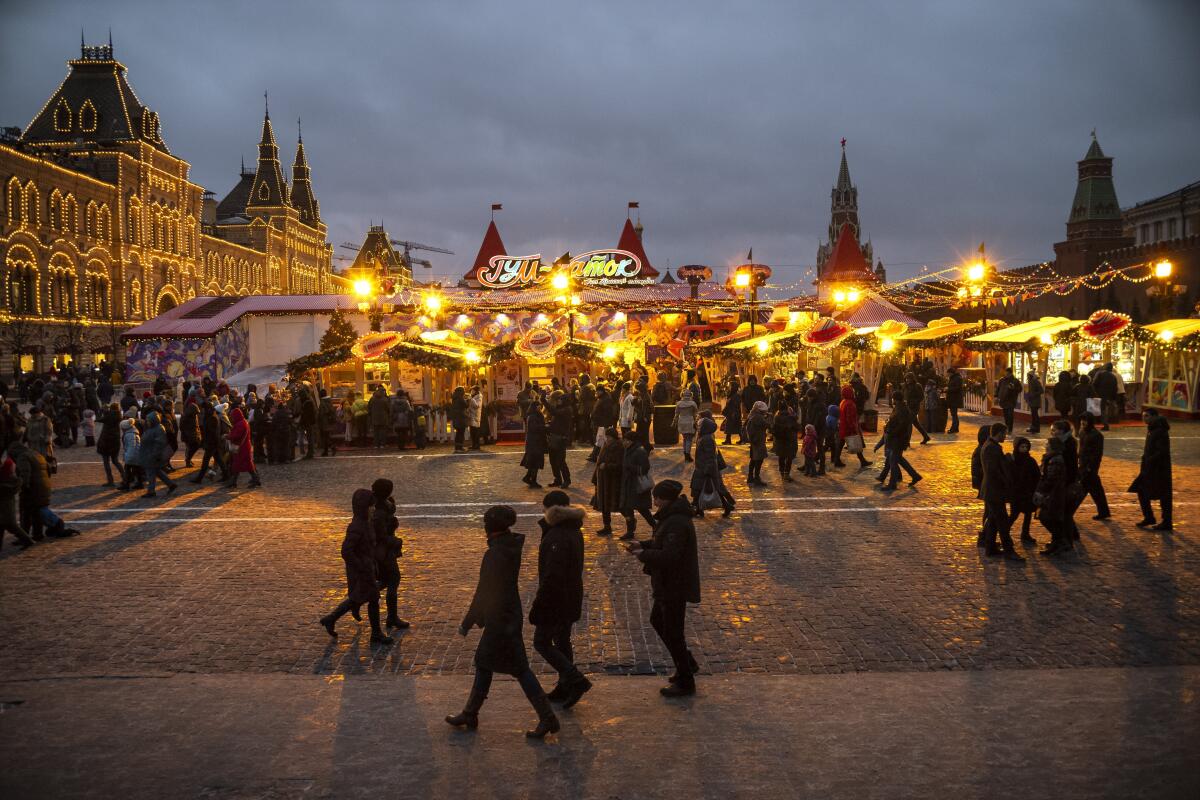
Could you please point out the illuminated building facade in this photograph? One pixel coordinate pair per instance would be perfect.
(101, 228)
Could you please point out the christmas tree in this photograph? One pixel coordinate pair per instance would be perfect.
(340, 332)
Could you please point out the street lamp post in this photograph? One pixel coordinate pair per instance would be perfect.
(976, 275)
(561, 281)
(1164, 271)
(748, 277)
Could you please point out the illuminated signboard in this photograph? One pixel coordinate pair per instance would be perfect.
(593, 268)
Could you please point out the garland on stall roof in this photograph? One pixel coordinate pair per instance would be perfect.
(501, 352)
(1136, 333)
(792, 345)
(579, 349)
(423, 356)
(319, 360)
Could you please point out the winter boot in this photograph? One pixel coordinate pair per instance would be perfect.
(576, 690)
(547, 721)
(469, 716)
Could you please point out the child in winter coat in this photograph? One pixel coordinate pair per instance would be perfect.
(1025, 477)
(421, 426)
(830, 440)
(810, 450)
(89, 428)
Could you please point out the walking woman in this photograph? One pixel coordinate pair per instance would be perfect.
(558, 604)
(534, 458)
(848, 426)
(241, 453)
(733, 412)
(685, 422)
(558, 437)
(607, 478)
(756, 432)
(635, 484)
(784, 434)
(706, 476)
(189, 430)
(358, 551)
(155, 455)
(108, 443)
(496, 607)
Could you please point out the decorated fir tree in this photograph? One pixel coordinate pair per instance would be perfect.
(340, 332)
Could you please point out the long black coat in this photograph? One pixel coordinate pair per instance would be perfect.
(559, 597)
(1154, 479)
(358, 550)
(635, 464)
(954, 391)
(108, 443)
(1091, 452)
(1053, 488)
(671, 558)
(535, 441)
(496, 607)
(997, 486)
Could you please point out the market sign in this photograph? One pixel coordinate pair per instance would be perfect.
(373, 345)
(1104, 324)
(593, 268)
(539, 343)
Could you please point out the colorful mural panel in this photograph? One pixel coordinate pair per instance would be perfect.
(225, 354)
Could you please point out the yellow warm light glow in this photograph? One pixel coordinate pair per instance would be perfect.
(887, 345)
(839, 296)
(435, 336)
(433, 302)
(976, 271)
(541, 317)
(610, 352)
(363, 307)
(852, 295)
(1163, 269)
(962, 291)
(502, 319)
(1046, 338)
(576, 299)
(763, 346)
(1167, 336)
(976, 291)
(741, 279)
(362, 287)
(560, 281)
(618, 318)
(472, 356)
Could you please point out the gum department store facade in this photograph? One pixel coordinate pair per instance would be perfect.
(100, 227)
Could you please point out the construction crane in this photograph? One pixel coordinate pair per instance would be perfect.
(409, 246)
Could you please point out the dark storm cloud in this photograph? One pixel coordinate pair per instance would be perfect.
(964, 120)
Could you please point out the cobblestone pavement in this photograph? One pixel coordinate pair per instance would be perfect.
(1053, 734)
(820, 576)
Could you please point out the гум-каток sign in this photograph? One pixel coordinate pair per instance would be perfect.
(593, 268)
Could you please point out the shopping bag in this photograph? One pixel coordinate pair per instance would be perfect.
(855, 443)
(644, 483)
(1095, 406)
(599, 437)
(709, 498)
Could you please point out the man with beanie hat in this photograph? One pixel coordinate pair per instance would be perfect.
(496, 607)
(672, 561)
(388, 548)
(558, 604)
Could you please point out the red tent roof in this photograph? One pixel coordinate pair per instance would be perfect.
(491, 246)
(846, 262)
(632, 243)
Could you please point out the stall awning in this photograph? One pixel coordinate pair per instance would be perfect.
(1019, 334)
(1178, 328)
(741, 332)
(938, 331)
(768, 338)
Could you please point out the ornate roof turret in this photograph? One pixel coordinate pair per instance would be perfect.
(269, 187)
(302, 193)
(843, 211)
(1095, 196)
(95, 103)
(631, 242)
(846, 263)
(491, 246)
(234, 203)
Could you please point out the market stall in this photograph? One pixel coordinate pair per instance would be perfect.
(1172, 366)
(1024, 347)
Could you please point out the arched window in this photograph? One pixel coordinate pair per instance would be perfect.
(22, 279)
(87, 117)
(56, 210)
(13, 202)
(91, 216)
(33, 204)
(135, 297)
(70, 214)
(62, 116)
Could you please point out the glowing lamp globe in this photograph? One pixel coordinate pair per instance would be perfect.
(362, 287)
(976, 271)
(1163, 269)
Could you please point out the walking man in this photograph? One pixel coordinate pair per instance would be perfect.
(672, 561)
(1008, 389)
(496, 607)
(1091, 453)
(558, 604)
(1154, 480)
(996, 490)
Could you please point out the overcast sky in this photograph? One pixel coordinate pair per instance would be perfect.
(964, 120)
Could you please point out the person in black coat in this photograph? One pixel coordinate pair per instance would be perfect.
(753, 393)
(388, 548)
(558, 603)
(458, 417)
(897, 435)
(783, 433)
(1154, 479)
(954, 397)
(1104, 384)
(534, 458)
(996, 490)
(1063, 394)
(358, 551)
(1051, 498)
(1091, 453)
(914, 395)
(108, 443)
(604, 416)
(558, 436)
(496, 607)
(1025, 475)
(672, 561)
